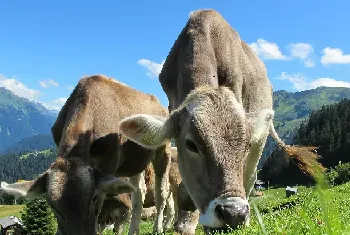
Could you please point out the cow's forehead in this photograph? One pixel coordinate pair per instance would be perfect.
(74, 181)
(216, 101)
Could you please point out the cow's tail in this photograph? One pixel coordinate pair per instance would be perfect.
(304, 156)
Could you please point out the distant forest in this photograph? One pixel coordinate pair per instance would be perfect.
(329, 130)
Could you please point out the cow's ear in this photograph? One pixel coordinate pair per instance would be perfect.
(29, 189)
(111, 185)
(147, 130)
(260, 123)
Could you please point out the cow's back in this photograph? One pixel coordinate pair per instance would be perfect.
(210, 52)
(88, 123)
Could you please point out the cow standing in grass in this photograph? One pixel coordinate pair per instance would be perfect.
(221, 114)
(92, 153)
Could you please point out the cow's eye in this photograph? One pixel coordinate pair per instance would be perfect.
(191, 146)
(248, 146)
(94, 199)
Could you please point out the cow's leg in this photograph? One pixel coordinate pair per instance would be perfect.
(121, 219)
(188, 215)
(137, 199)
(148, 213)
(118, 228)
(170, 211)
(100, 228)
(161, 164)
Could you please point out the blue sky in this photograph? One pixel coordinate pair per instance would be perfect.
(46, 46)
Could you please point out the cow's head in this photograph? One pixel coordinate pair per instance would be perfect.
(75, 192)
(213, 136)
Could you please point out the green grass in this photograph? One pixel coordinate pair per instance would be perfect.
(313, 211)
(7, 210)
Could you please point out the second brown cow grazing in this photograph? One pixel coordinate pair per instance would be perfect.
(92, 153)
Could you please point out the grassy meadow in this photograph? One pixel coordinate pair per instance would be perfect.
(7, 210)
(312, 211)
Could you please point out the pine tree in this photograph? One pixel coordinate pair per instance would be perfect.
(37, 218)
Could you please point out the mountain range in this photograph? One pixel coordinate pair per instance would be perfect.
(21, 118)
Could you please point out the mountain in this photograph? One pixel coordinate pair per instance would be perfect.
(291, 108)
(21, 118)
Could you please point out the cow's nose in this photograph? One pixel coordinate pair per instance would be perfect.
(232, 214)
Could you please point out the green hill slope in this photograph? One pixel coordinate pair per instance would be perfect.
(21, 118)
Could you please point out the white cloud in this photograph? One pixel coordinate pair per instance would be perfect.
(267, 50)
(55, 104)
(153, 68)
(300, 82)
(49, 83)
(19, 88)
(309, 63)
(334, 56)
(303, 51)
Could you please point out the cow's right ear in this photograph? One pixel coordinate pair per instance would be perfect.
(29, 189)
(146, 130)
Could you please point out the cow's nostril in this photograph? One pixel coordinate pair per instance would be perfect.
(232, 215)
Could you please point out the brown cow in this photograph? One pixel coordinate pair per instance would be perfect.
(91, 150)
(220, 100)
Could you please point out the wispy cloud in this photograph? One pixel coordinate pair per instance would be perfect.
(19, 88)
(334, 56)
(49, 83)
(267, 50)
(153, 68)
(301, 82)
(55, 104)
(303, 51)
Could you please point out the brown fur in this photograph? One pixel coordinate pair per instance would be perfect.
(78, 127)
(89, 122)
(306, 159)
(92, 152)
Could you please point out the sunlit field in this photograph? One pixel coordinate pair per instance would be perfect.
(311, 211)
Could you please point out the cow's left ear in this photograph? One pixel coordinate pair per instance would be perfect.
(29, 189)
(111, 185)
(260, 123)
(147, 130)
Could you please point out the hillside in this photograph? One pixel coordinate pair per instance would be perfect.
(21, 118)
(27, 166)
(292, 108)
(31, 144)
